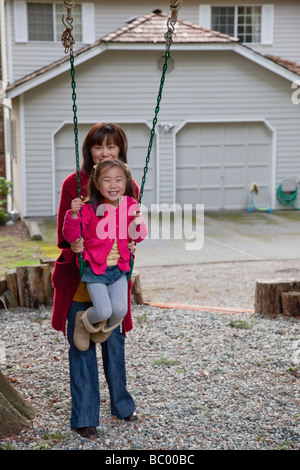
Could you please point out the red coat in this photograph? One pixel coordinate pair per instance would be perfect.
(66, 277)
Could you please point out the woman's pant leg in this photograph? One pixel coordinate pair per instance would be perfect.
(113, 356)
(84, 381)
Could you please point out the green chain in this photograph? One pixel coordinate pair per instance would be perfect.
(154, 122)
(75, 121)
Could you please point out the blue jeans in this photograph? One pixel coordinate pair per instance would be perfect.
(84, 380)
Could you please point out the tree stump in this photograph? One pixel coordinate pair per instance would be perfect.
(49, 261)
(34, 285)
(11, 282)
(291, 304)
(16, 413)
(137, 288)
(268, 299)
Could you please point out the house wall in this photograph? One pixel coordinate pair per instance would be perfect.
(26, 57)
(204, 86)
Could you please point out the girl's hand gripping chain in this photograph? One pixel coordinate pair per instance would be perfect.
(76, 205)
(138, 218)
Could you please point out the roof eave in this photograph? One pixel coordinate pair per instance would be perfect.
(55, 71)
(92, 51)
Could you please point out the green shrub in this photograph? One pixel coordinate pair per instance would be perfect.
(5, 190)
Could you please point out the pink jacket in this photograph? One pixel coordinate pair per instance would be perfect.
(100, 232)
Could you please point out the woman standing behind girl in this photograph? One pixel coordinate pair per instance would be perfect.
(110, 220)
(104, 141)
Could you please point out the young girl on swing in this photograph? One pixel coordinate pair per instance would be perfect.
(109, 219)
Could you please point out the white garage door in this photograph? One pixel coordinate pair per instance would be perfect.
(138, 137)
(216, 162)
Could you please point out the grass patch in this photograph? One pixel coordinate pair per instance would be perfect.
(15, 252)
(19, 250)
(243, 325)
(163, 361)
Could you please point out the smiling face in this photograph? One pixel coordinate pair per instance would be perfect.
(112, 185)
(108, 150)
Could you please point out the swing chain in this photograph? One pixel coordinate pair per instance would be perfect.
(154, 122)
(174, 5)
(75, 121)
(68, 41)
(67, 38)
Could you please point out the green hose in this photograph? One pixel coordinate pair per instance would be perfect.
(287, 199)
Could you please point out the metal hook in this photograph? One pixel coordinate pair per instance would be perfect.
(67, 22)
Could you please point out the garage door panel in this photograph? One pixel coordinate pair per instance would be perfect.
(234, 197)
(208, 135)
(227, 157)
(258, 132)
(235, 154)
(187, 195)
(210, 154)
(259, 153)
(259, 175)
(210, 197)
(210, 176)
(188, 176)
(233, 175)
(186, 155)
(235, 133)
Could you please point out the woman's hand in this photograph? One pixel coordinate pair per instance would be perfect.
(77, 246)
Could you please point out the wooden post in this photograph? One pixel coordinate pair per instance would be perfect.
(137, 288)
(34, 285)
(268, 299)
(11, 282)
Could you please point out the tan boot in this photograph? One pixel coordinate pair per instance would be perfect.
(104, 333)
(83, 330)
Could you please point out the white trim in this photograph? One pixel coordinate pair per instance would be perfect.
(20, 21)
(205, 16)
(241, 120)
(22, 150)
(267, 24)
(157, 186)
(9, 53)
(88, 23)
(174, 166)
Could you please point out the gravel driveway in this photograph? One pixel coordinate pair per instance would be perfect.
(201, 380)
